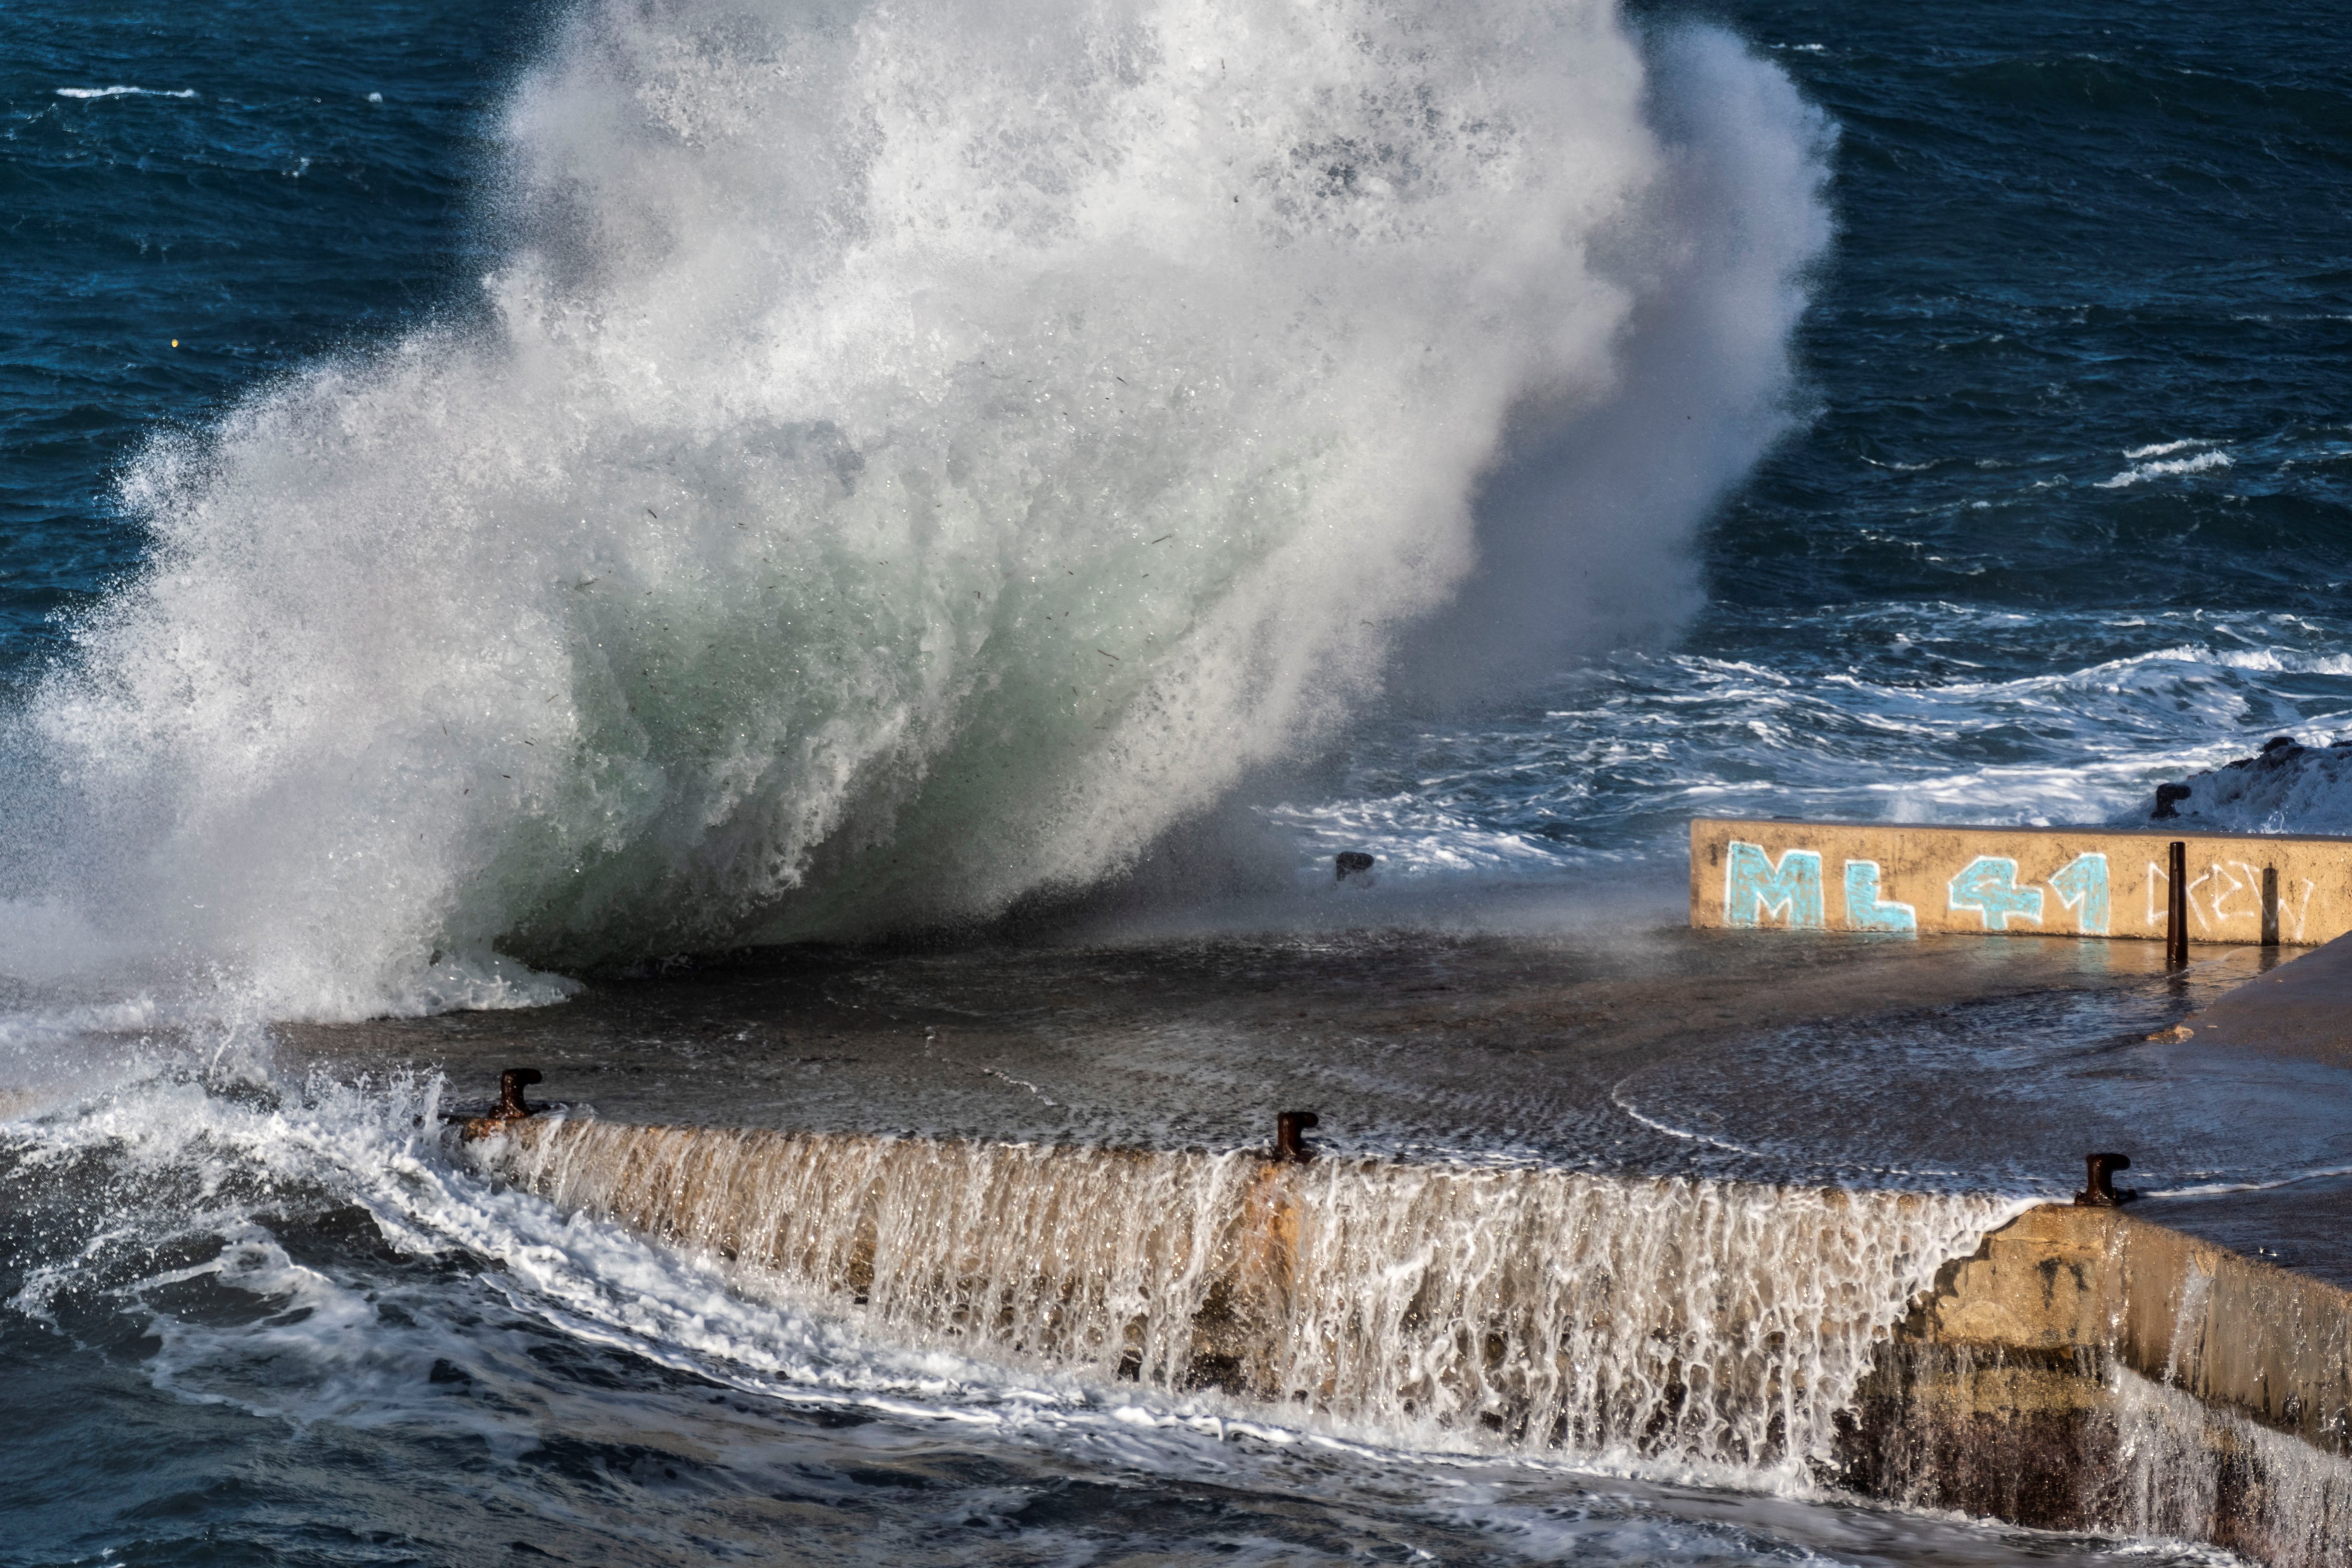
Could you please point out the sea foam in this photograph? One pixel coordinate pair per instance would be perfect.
(120, 91)
(909, 459)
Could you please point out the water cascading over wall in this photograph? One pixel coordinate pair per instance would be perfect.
(2084, 1369)
(1704, 1324)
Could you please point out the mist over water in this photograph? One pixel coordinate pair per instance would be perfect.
(911, 462)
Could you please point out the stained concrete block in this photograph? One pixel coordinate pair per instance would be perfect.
(2274, 1347)
(1894, 878)
(2086, 1371)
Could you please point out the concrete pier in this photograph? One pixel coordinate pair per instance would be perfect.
(2085, 1371)
(2056, 881)
(2078, 1369)
(2302, 1009)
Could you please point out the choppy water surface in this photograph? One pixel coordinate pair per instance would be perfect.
(493, 494)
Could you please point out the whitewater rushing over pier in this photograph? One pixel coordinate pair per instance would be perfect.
(1710, 1325)
(2065, 1367)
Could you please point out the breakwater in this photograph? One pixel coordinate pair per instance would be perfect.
(1897, 878)
(2080, 1370)
(2064, 1368)
(1707, 1324)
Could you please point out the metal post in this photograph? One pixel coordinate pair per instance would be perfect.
(2175, 907)
(512, 1106)
(2099, 1192)
(1290, 1145)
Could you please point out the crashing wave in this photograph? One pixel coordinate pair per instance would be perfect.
(914, 458)
(2286, 788)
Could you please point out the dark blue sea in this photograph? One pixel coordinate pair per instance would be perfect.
(496, 500)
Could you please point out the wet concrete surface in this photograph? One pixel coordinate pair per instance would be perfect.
(2305, 1226)
(1940, 1062)
(2299, 1009)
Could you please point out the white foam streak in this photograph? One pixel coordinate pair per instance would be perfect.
(119, 91)
(2139, 473)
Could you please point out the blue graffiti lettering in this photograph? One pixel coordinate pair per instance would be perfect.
(1755, 889)
(2082, 886)
(1862, 909)
(1988, 884)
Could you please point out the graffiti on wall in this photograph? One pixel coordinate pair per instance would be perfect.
(2232, 890)
(1988, 884)
(2082, 886)
(1756, 890)
(1905, 879)
(1864, 910)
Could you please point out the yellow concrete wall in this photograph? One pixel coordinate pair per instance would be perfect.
(2231, 1331)
(2055, 881)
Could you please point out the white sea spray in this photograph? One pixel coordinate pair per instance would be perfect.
(913, 458)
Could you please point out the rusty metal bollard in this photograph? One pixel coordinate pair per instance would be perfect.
(1290, 1145)
(512, 1106)
(510, 1101)
(2101, 1192)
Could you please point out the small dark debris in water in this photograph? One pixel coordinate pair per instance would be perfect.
(1349, 862)
(1290, 1145)
(2101, 1192)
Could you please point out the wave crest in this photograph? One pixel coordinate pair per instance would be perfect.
(917, 457)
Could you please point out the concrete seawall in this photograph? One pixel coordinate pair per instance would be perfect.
(2084, 1371)
(2070, 1369)
(2057, 882)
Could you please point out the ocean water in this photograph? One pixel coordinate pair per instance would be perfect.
(495, 500)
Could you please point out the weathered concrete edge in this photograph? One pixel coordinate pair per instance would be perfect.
(2059, 1285)
(1899, 878)
(2235, 1332)
(2004, 1392)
